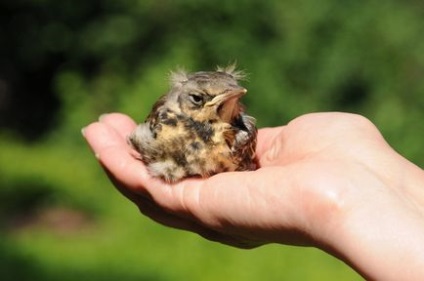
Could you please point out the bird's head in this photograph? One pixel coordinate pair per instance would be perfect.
(208, 96)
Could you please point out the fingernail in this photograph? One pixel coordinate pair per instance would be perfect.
(102, 116)
(83, 132)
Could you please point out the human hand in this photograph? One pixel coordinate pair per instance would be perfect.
(322, 180)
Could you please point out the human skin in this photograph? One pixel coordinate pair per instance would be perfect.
(326, 180)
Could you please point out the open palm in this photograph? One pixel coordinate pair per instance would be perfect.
(304, 167)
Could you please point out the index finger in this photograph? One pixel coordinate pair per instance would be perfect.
(112, 151)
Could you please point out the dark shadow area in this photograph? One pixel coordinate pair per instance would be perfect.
(352, 94)
(36, 42)
(26, 204)
(13, 265)
(21, 200)
(28, 105)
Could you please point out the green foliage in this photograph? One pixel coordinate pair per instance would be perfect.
(63, 63)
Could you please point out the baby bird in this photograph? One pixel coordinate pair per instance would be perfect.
(199, 128)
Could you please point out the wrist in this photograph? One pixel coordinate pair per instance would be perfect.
(380, 231)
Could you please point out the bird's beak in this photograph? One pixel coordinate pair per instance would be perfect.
(227, 104)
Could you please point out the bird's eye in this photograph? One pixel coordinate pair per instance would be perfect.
(196, 99)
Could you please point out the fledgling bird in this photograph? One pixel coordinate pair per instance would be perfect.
(199, 128)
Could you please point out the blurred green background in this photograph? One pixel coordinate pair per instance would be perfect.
(63, 63)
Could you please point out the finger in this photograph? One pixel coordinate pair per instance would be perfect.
(114, 154)
(157, 214)
(172, 219)
(185, 222)
(228, 197)
(122, 123)
(266, 139)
